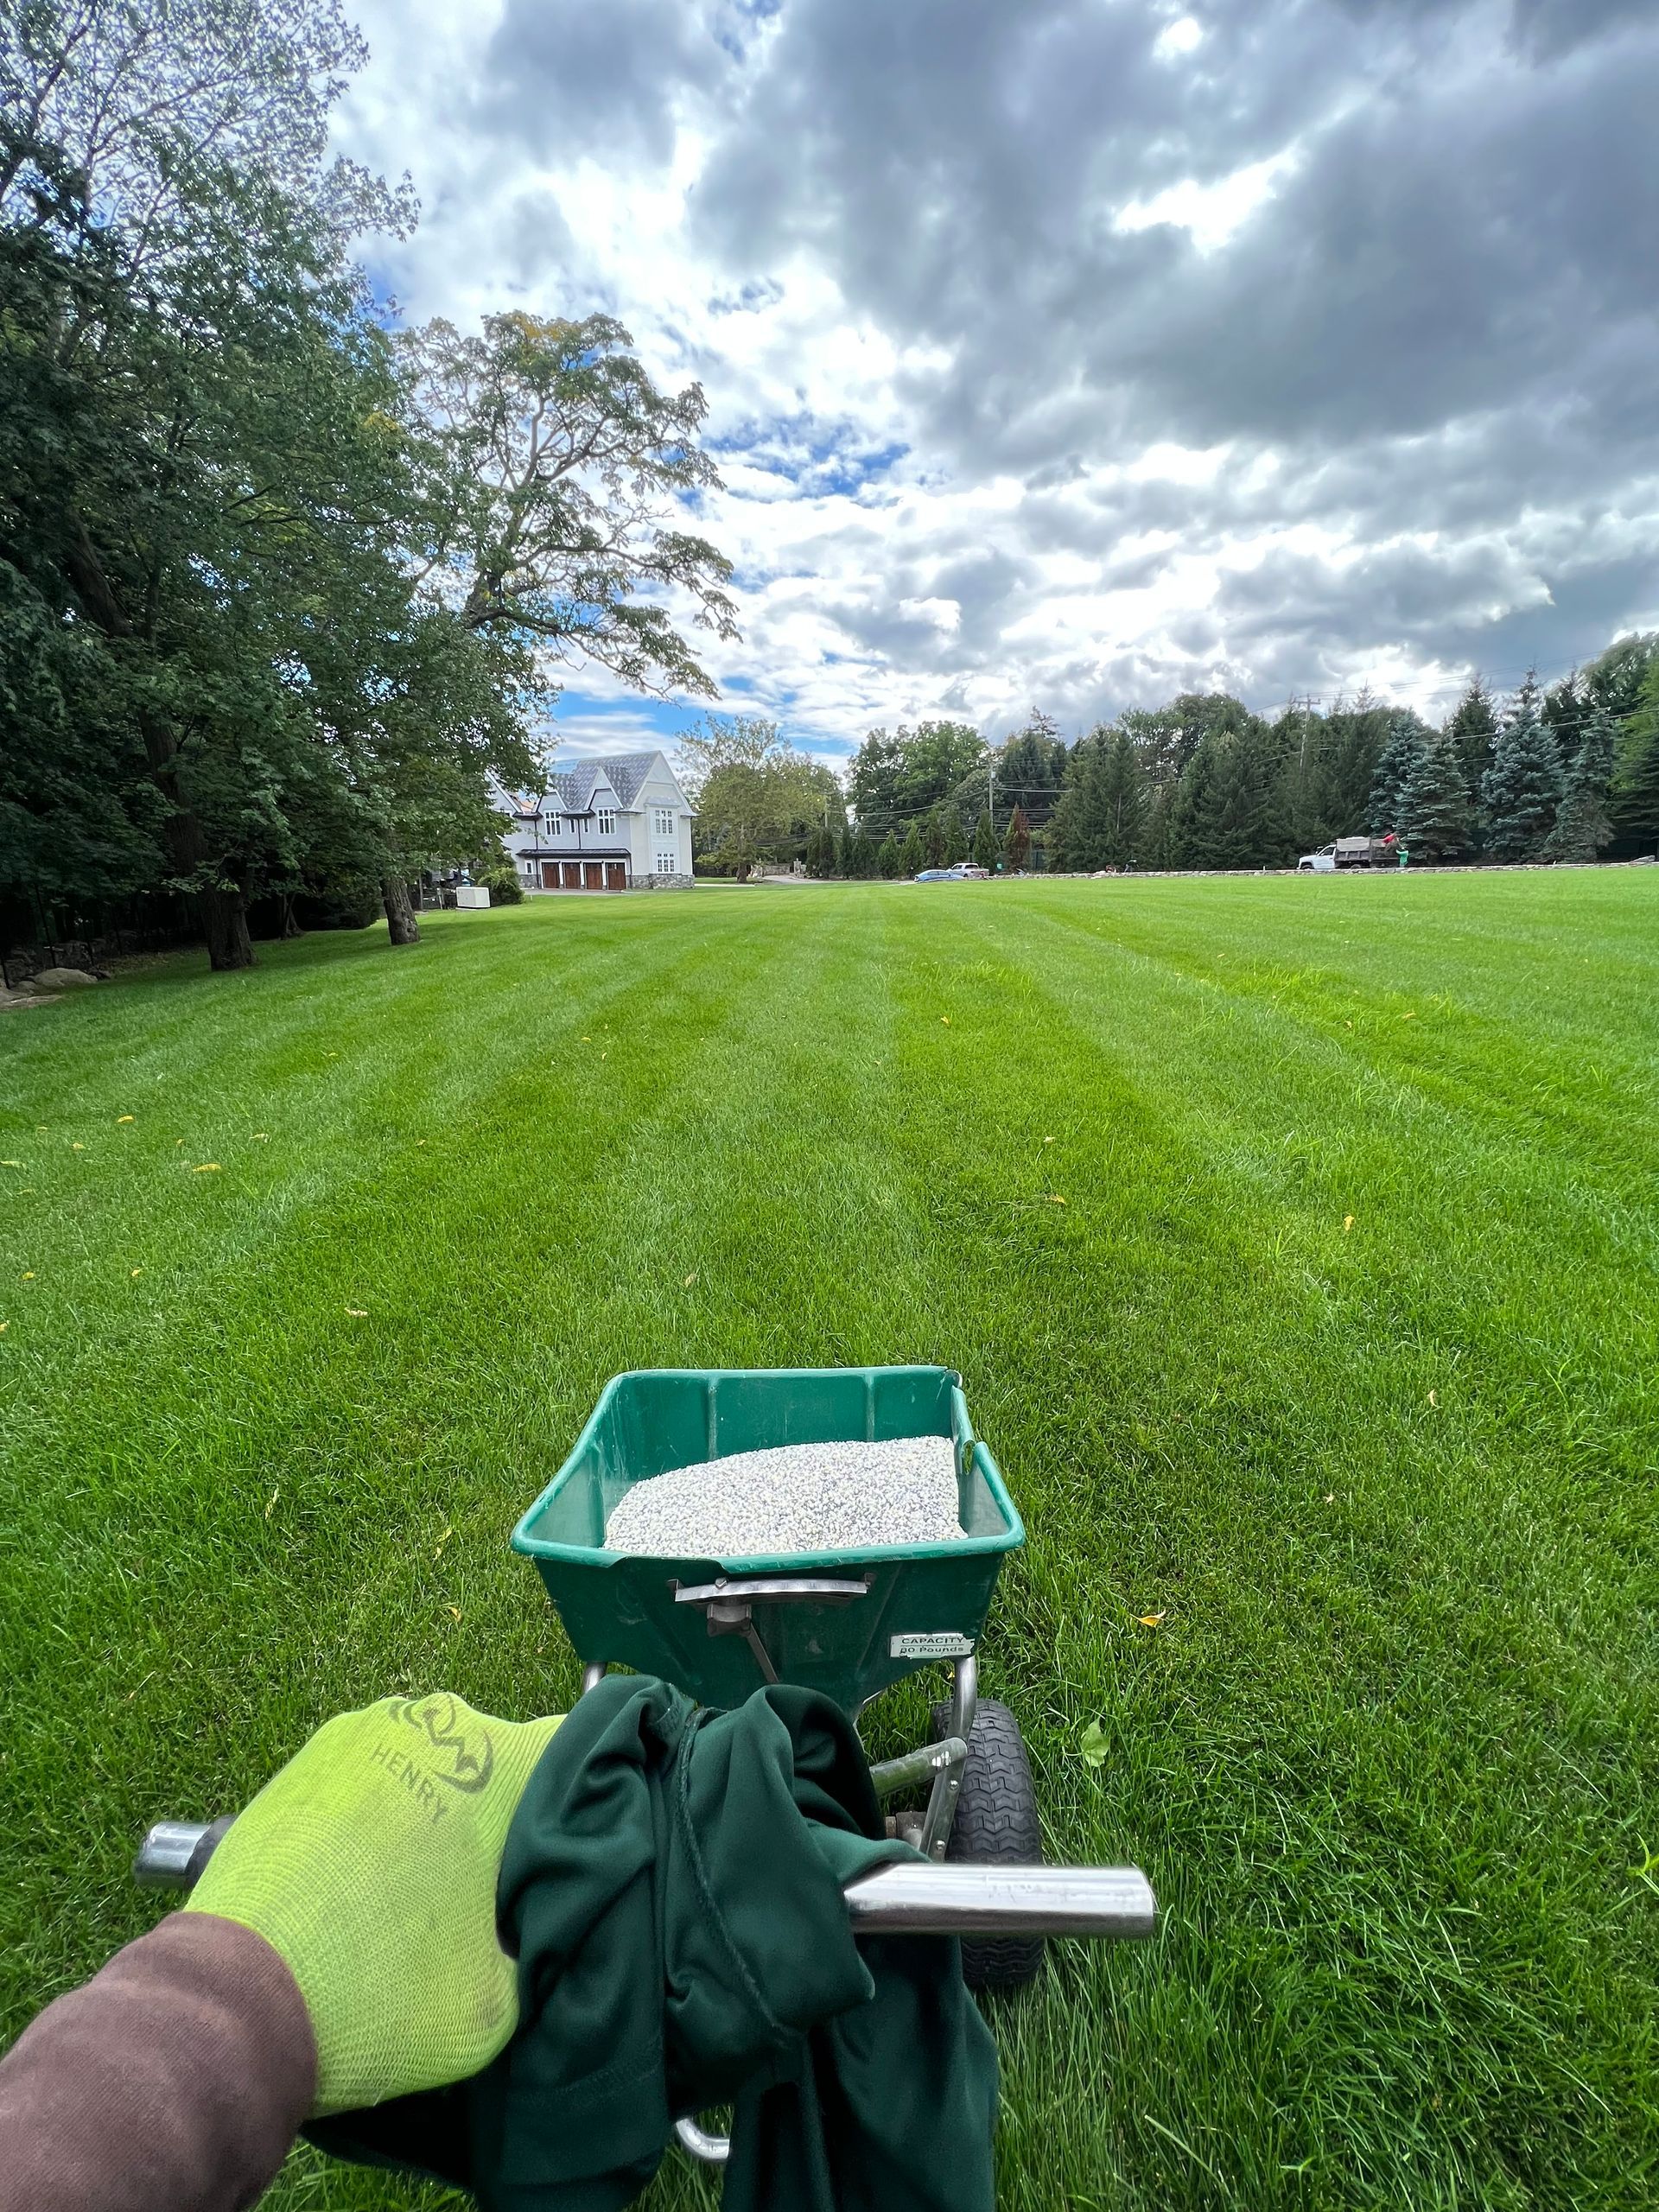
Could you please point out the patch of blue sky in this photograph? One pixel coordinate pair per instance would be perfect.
(809, 454)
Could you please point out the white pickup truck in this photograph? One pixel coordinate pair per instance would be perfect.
(1343, 852)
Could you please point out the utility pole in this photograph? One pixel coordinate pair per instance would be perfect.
(990, 789)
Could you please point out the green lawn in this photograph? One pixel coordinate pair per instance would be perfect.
(1339, 1354)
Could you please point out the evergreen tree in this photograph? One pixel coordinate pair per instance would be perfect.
(1634, 802)
(1016, 841)
(1522, 788)
(1473, 730)
(1157, 842)
(1102, 810)
(913, 855)
(956, 839)
(933, 836)
(1434, 818)
(1582, 827)
(985, 843)
(1222, 815)
(886, 860)
(1193, 832)
(1404, 756)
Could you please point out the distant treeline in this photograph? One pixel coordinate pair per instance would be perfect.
(1567, 773)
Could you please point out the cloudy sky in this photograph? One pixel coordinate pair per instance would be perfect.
(1078, 351)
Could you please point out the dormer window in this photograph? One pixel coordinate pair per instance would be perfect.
(662, 822)
(607, 822)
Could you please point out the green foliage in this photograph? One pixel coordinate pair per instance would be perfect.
(1523, 786)
(552, 472)
(886, 860)
(893, 777)
(934, 837)
(985, 855)
(1635, 799)
(912, 854)
(1223, 812)
(503, 884)
(1101, 819)
(1473, 730)
(956, 838)
(1402, 762)
(1582, 823)
(756, 797)
(1031, 769)
(1432, 817)
(1016, 840)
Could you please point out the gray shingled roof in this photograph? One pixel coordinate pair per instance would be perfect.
(623, 772)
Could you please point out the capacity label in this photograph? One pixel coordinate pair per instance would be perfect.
(940, 1643)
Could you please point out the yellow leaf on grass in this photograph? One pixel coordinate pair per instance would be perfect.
(126, 1117)
(1330, 1497)
(28, 1275)
(5, 1326)
(207, 1167)
(1092, 1745)
(1055, 1200)
(262, 1136)
(357, 1313)
(1048, 1140)
(11, 1163)
(456, 1611)
(1150, 1620)
(137, 1271)
(690, 1279)
(272, 1499)
(1347, 1222)
(946, 1019)
(1407, 1017)
(443, 1540)
(1434, 1397)
(77, 1147)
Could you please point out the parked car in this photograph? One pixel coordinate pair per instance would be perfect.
(1343, 852)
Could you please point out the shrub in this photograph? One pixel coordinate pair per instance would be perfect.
(503, 885)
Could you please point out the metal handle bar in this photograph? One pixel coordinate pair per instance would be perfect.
(1111, 1903)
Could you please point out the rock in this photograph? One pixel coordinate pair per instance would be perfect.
(61, 979)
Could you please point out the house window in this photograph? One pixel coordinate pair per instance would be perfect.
(607, 822)
(662, 822)
(552, 824)
(665, 864)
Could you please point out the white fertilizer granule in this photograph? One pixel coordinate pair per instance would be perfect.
(796, 1497)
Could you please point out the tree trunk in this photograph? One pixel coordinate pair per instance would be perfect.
(225, 924)
(291, 926)
(401, 924)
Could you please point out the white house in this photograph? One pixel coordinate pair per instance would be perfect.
(621, 824)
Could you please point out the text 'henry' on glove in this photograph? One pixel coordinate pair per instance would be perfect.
(369, 1865)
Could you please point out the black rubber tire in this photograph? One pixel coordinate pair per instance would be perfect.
(996, 1825)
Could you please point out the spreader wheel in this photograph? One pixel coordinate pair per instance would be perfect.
(996, 1825)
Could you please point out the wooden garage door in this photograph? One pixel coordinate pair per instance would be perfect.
(616, 876)
(593, 876)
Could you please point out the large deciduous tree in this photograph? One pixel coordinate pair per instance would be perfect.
(553, 474)
(756, 797)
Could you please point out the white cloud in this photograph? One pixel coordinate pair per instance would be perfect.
(1039, 369)
(1214, 212)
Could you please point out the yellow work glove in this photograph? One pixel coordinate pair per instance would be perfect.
(369, 1864)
